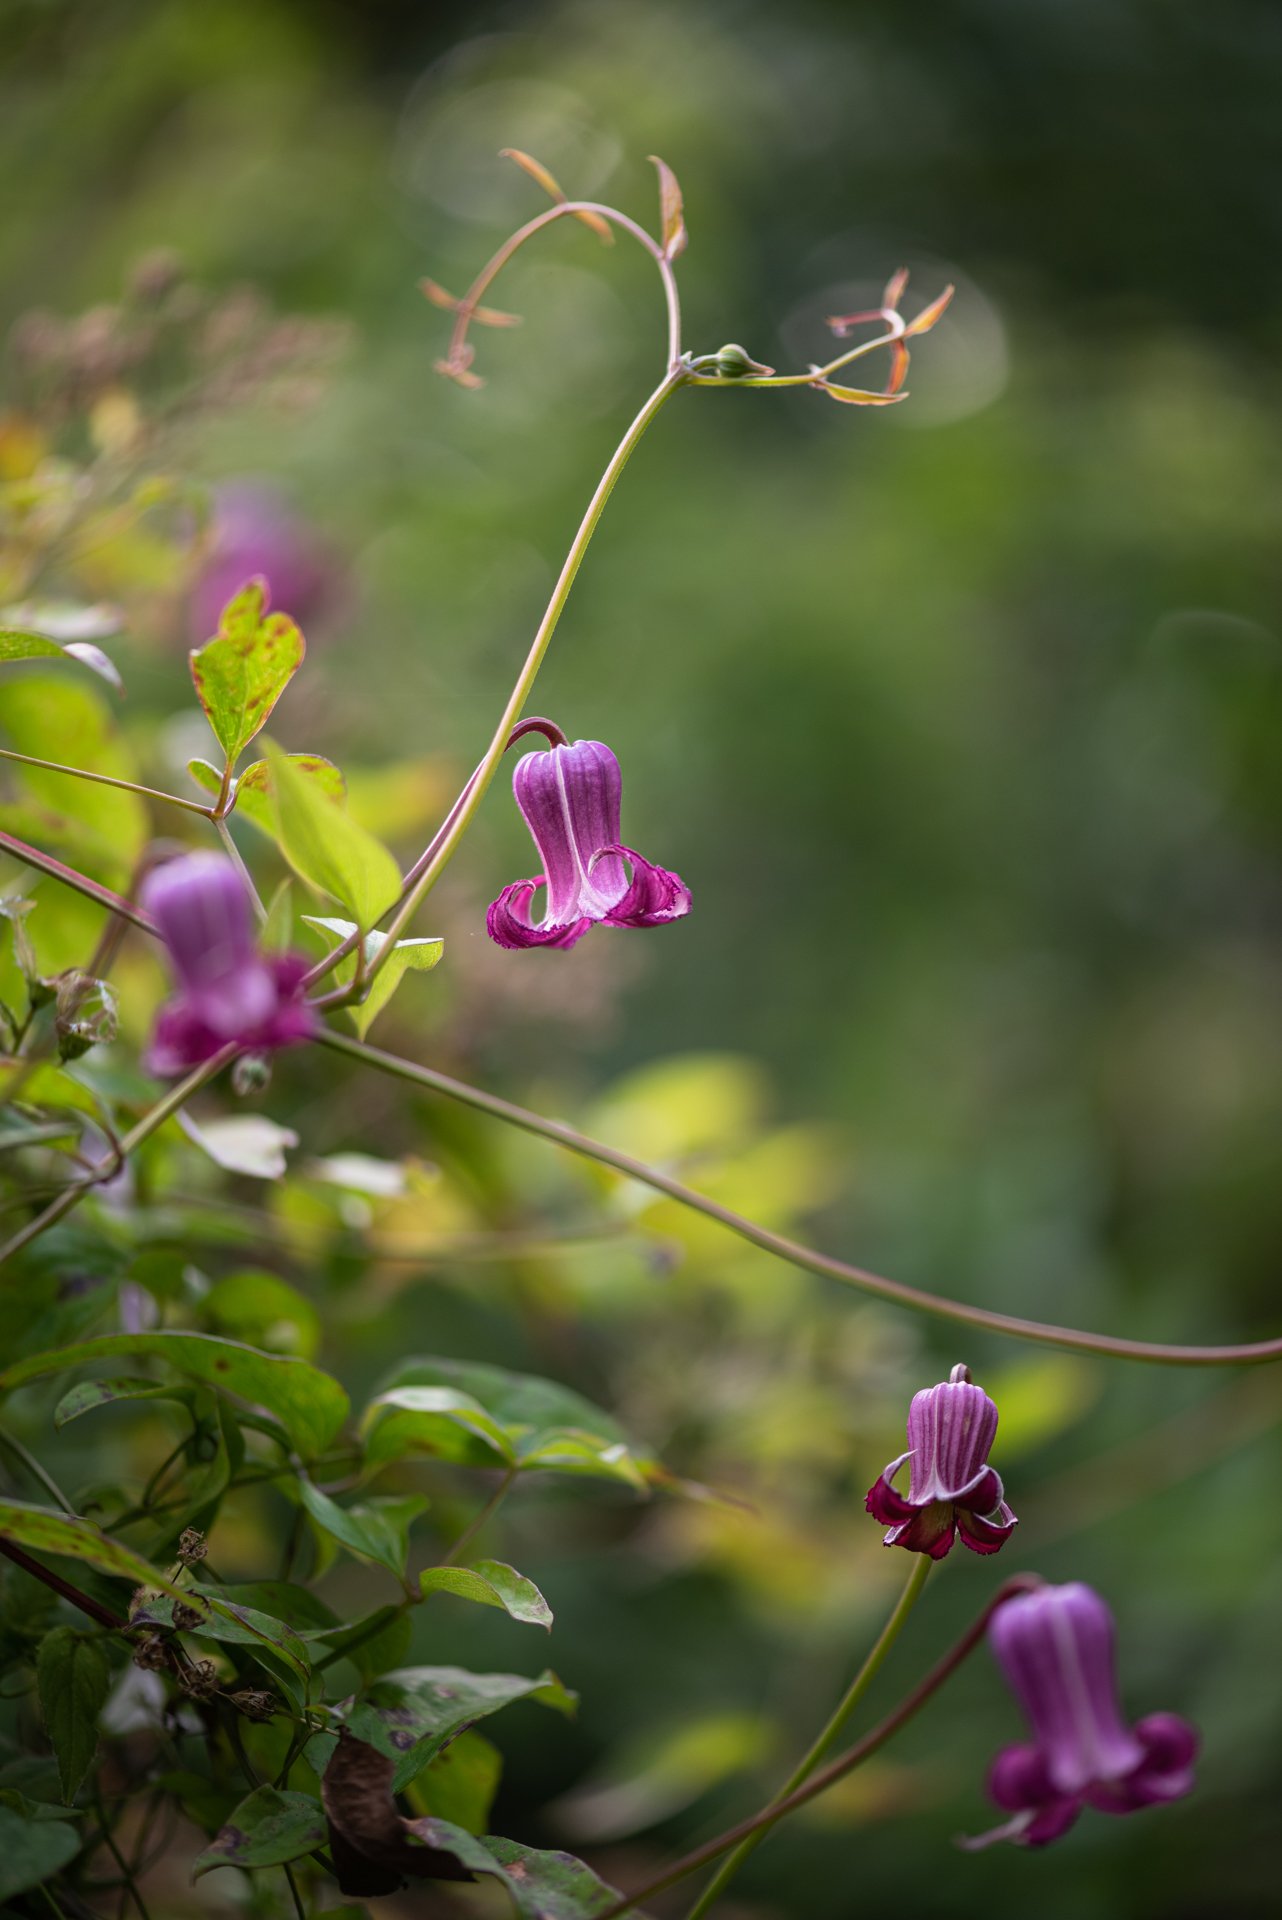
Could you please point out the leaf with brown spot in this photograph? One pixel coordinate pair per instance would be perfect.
(241, 673)
(267, 1829)
(671, 208)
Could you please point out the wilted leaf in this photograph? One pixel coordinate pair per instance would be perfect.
(411, 1714)
(241, 673)
(327, 848)
(266, 1830)
(492, 1584)
(671, 208)
(73, 1680)
(375, 1529)
(309, 1404)
(38, 646)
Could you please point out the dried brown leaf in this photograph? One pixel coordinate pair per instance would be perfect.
(552, 187)
(672, 209)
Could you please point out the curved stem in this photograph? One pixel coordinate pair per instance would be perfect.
(155, 1117)
(447, 840)
(844, 1763)
(45, 863)
(475, 1524)
(827, 1737)
(106, 780)
(1250, 1353)
(37, 1472)
(495, 265)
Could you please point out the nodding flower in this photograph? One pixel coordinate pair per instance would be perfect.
(951, 1487)
(1055, 1648)
(571, 797)
(228, 991)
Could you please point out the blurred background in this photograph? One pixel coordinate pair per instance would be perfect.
(960, 719)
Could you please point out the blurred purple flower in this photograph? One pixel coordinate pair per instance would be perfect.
(254, 531)
(227, 989)
(571, 797)
(1055, 1647)
(951, 1487)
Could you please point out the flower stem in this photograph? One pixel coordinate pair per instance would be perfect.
(474, 792)
(107, 780)
(45, 863)
(844, 1763)
(155, 1117)
(487, 1512)
(898, 1292)
(826, 1738)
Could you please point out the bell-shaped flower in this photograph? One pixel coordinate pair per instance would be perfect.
(1055, 1648)
(227, 990)
(571, 798)
(951, 1487)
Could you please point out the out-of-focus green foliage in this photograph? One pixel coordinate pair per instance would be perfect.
(961, 719)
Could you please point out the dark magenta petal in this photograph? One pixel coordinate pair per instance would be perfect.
(1018, 1780)
(654, 896)
(884, 1504)
(508, 920)
(180, 1041)
(1050, 1822)
(1165, 1773)
(931, 1530)
(186, 1036)
(986, 1533)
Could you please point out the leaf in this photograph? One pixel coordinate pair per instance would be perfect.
(374, 1529)
(38, 646)
(265, 1311)
(856, 396)
(373, 1846)
(928, 316)
(44, 1531)
(480, 1415)
(88, 1394)
(671, 208)
(73, 1680)
(327, 848)
(410, 1715)
(460, 1784)
(55, 718)
(374, 1644)
(421, 955)
(537, 171)
(255, 794)
(309, 1404)
(483, 316)
(32, 1851)
(248, 1143)
(240, 674)
(266, 1830)
(492, 1584)
(231, 1622)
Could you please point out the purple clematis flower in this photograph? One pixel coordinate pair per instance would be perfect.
(951, 1487)
(570, 797)
(227, 989)
(1055, 1647)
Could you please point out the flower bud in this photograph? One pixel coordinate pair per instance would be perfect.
(734, 361)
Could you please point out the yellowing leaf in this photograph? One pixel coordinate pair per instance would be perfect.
(671, 208)
(241, 673)
(537, 171)
(327, 848)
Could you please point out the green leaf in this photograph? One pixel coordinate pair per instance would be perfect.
(492, 1584)
(309, 1404)
(327, 848)
(103, 829)
(90, 1394)
(418, 955)
(73, 1679)
(44, 1531)
(479, 1415)
(231, 1623)
(265, 1311)
(374, 1529)
(38, 646)
(299, 1607)
(548, 1886)
(460, 1784)
(32, 1851)
(255, 792)
(266, 1830)
(410, 1715)
(373, 1644)
(240, 674)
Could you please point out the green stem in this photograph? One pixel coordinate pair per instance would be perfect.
(155, 1117)
(37, 1472)
(826, 1738)
(844, 1763)
(126, 1872)
(898, 1292)
(487, 1512)
(234, 855)
(474, 793)
(106, 780)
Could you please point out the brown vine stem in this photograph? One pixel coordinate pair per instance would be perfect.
(103, 1616)
(1074, 1339)
(844, 1763)
(45, 863)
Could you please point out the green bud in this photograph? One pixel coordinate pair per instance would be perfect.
(734, 361)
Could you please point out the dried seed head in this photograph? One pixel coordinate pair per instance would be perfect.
(254, 1703)
(200, 1680)
(151, 1653)
(191, 1546)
